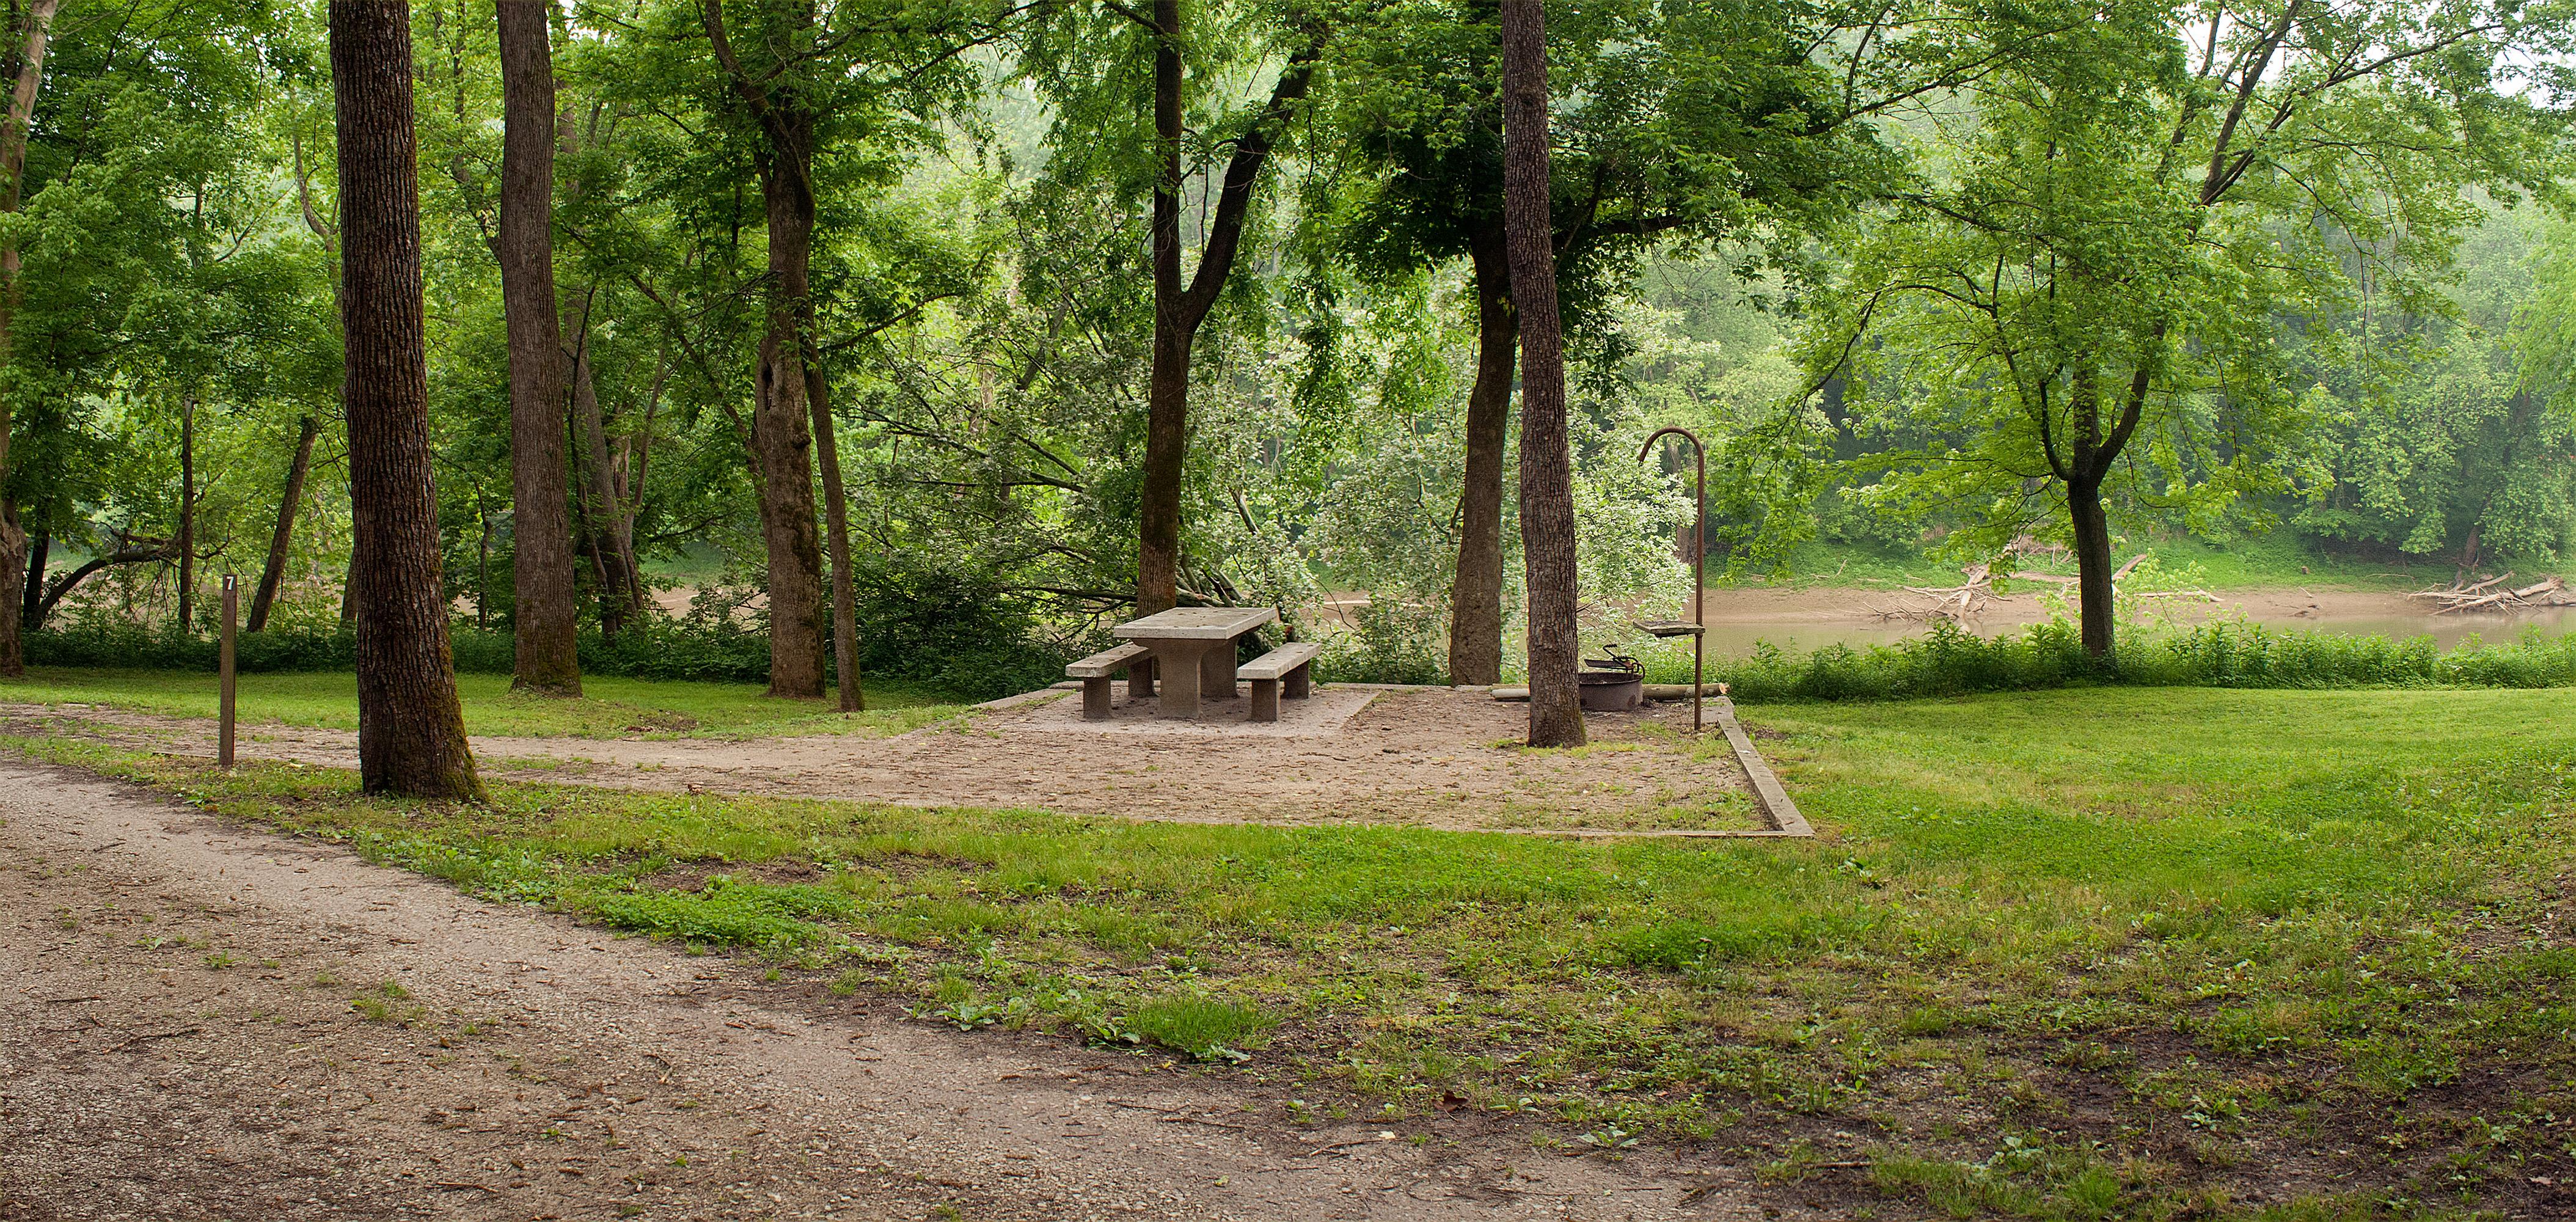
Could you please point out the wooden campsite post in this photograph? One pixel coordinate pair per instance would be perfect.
(1697, 629)
(224, 665)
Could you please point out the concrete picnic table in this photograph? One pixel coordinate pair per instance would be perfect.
(1194, 650)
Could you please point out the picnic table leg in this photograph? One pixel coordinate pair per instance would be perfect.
(1216, 670)
(1140, 679)
(1181, 678)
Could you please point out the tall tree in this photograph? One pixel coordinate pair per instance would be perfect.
(1547, 457)
(1087, 61)
(272, 573)
(188, 512)
(2085, 308)
(411, 730)
(547, 620)
(1181, 307)
(1704, 122)
(782, 432)
(27, 72)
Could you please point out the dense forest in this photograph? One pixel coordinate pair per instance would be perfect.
(765, 336)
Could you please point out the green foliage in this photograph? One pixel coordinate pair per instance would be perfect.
(955, 627)
(2086, 301)
(1391, 641)
(1948, 661)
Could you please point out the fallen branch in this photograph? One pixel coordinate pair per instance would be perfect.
(130, 1041)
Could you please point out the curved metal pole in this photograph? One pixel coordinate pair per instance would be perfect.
(1699, 558)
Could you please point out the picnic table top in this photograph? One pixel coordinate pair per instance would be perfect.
(1195, 624)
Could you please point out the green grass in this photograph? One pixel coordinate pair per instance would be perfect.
(610, 707)
(2102, 953)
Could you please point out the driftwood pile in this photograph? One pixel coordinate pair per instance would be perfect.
(1976, 592)
(2493, 594)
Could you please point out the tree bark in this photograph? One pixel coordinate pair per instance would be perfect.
(272, 575)
(37, 550)
(836, 520)
(1167, 395)
(411, 731)
(28, 72)
(1476, 595)
(1179, 309)
(547, 619)
(1547, 462)
(187, 513)
(781, 432)
(2096, 605)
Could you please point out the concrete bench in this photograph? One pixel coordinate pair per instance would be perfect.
(1095, 672)
(1286, 664)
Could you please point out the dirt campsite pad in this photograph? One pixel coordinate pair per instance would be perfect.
(1434, 757)
(203, 1022)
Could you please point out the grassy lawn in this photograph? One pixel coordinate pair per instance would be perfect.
(2083, 954)
(610, 707)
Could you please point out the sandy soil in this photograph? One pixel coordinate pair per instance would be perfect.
(178, 1040)
(1859, 604)
(1436, 758)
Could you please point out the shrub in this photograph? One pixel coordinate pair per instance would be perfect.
(1948, 661)
(953, 629)
(1390, 642)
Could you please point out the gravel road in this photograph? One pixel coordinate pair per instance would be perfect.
(203, 1022)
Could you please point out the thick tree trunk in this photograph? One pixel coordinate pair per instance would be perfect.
(272, 575)
(781, 433)
(836, 521)
(547, 619)
(1547, 461)
(411, 731)
(37, 550)
(1167, 396)
(2092, 566)
(29, 72)
(187, 513)
(1476, 596)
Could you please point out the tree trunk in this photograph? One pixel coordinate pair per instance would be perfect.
(1476, 596)
(36, 555)
(783, 435)
(2092, 566)
(548, 621)
(781, 432)
(272, 575)
(836, 520)
(411, 731)
(187, 513)
(1547, 461)
(29, 71)
(1179, 309)
(612, 540)
(349, 579)
(1167, 396)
